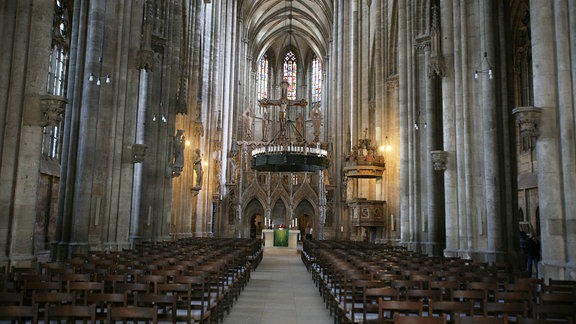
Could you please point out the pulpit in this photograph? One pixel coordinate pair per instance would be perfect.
(280, 241)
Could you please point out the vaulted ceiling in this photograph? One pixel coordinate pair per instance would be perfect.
(275, 25)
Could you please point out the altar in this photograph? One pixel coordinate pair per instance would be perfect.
(280, 241)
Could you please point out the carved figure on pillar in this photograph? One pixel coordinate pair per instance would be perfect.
(248, 125)
(300, 127)
(316, 116)
(198, 168)
(265, 124)
(178, 153)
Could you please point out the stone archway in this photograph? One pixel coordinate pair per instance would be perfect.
(279, 213)
(256, 226)
(253, 213)
(305, 213)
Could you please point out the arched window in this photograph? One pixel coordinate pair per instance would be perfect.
(290, 74)
(57, 75)
(262, 77)
(316, 79)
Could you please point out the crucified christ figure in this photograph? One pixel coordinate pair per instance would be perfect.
(283, 103)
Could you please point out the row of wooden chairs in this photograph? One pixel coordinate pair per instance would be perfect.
(174, 278)
(355, 280)
(79, 312)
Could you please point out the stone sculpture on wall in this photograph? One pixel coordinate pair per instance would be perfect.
(178, 153)
(198, 168)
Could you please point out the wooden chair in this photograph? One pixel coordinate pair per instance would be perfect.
(522, 320)
(445, 288)
(103, 300)
(371, 302)
(489, 288)
(506, 309)
(561, 286)
(82, 289)
(152, 281)
(125, 313)
(425, 295)
(478, 297)
(552, 312)
(70, 312)
(451, 309)
(200, 304)
(167, 305)
(19, 313)
(360, 300)
(11, 298)
(131, 289)
(111, 280)
(45, 300)
(480, 320)
(402, 319)
(388, 308)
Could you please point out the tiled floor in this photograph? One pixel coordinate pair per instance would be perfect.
(280, 291)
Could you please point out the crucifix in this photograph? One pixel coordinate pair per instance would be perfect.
(283, 103)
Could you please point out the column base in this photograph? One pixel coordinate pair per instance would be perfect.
(556, 270)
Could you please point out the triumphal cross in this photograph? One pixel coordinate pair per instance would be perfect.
(283, 103)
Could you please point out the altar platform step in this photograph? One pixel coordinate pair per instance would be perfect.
(280, 291)
(280, 251)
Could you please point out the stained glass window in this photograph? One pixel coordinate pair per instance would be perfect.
(290, 74)
(263, 77)
(316, 79)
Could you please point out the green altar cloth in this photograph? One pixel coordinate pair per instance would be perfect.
(281, 237)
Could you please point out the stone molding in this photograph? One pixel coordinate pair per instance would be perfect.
(139, 152)
(52, 109)
(439, 160)
(527, 119)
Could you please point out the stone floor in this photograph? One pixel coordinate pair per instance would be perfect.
(280, 291)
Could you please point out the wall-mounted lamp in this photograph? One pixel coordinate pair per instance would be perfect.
(100, 76)
(484, 67)
(419, 123)
(162, 114)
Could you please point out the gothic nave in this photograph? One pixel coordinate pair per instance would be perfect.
(443, 126)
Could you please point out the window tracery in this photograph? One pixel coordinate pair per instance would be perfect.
(290, 69)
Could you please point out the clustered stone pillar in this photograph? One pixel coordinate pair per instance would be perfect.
(556, 172)
(22, 124)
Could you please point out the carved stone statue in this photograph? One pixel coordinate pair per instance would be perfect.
(198, 168)
(265, 124)
(300, 126)
(316, 116)
(248, 125)
(179, 147)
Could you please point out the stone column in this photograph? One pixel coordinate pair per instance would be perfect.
(433, 189)
(550, 176)
(30, 49)
(449, 132)
(405, 126)
(492, 178)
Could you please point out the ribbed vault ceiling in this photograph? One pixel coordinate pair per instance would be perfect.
(304, 25)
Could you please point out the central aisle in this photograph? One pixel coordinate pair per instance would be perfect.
(280, 291)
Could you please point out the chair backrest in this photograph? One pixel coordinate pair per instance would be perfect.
(388, 308)
(68, 312)
(498, 309)
(480, 320)
(11, 298)
(19, 312)
(403, 319)
(102, 300)
(451, 308)
(124, 313)
(566, 313)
